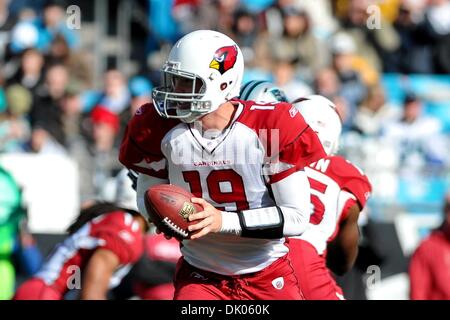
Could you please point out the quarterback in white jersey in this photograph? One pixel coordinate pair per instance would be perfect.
(244, 161)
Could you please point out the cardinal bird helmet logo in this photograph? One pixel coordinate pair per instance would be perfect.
(224, 59)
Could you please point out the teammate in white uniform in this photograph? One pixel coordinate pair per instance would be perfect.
(244, 161)
(339, 191)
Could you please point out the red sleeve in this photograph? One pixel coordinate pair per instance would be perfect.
(141, 145)
(305, 149)
(351, 179)
(419, 275)
(128, 251)
(361, 188)
(289, 142)
(119, 232)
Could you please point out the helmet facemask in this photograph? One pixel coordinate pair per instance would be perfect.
(180, 95)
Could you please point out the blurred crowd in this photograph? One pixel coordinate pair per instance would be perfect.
(50, 103)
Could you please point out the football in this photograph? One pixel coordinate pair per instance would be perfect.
(169, 207)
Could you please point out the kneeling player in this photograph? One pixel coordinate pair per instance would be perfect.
(339, 191)
(103, 243)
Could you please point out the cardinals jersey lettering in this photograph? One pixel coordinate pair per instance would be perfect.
(336, 184)
(232, 170)
(116, 231)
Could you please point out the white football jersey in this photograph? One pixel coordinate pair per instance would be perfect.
(336, 184)
(232, 171)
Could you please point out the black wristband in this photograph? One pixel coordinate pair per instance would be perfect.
(263, 231)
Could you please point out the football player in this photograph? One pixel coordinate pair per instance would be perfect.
(103, 243)
(339, 191)
(242, 160)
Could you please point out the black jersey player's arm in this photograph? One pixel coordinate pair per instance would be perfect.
(98, 273)
(343, 250)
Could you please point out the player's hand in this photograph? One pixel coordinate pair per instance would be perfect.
(210, 219)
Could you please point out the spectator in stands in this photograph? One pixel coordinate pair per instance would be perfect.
(345, 58)
(74, 61)
(416, 137)
(46, 113)
(321, 13)
(97, 156)
(298, 44)
(437, 17)
(245, 33)
(274, 16)
(105, 127)
(225, 14)
(327, 83)
(429, 269)
(377, 43)
(25, 33)
(285, 79)
(14, 128)
(30, 74)
(191, 15)
(373, 113)
(72, 116)
(7, 22)
(116, 96)
(362, 143)
(52, 24)
(415, 52)
(184, 13)
(351, 86)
